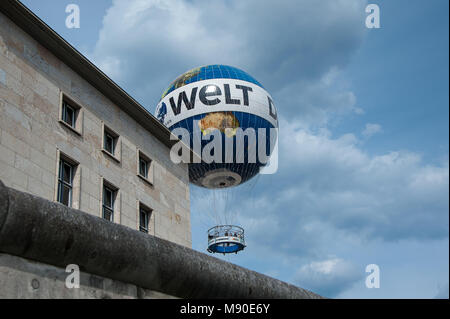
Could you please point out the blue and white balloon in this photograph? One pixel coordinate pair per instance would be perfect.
(226, 99)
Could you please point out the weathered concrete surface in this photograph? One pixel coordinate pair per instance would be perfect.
(48, 232)
(22, 278)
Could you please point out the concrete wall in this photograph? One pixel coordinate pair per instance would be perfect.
(53, 234)
(22, 278)
(32, 81)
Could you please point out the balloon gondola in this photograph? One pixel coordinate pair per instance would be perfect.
(226, 239)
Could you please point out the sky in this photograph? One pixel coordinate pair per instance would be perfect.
(363, 173)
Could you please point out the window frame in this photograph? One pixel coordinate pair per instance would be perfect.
(106, 143)
(67, 102)
(148, 177)
(144, 227)
(143, 161)
(66, 106)
(147, 212)
(62, 182)
(110, 209)
(108, 133)
(75, 197)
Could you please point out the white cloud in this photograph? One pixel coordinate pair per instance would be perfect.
(292, 48)
(316, 103)
(328, 277)
(329, 193)
(371, 129)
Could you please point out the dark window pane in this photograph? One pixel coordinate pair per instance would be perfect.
(107, 214)
(60, 174)
(65, 194)
(109, 143)
(142, 221)
(143, 167)
(108, 197)
(68, 114)
(67, 173)
(65, 183)
(144, 218)
(60, 191)
(108, 203)
(64, 109)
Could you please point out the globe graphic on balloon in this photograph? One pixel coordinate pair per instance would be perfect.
(222, 102)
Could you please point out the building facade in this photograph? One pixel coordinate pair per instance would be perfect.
(70, 134)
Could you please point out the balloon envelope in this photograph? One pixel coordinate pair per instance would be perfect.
(225, 104)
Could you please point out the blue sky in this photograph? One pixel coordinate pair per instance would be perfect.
(363, 174)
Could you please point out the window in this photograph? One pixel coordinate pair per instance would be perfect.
(109, 195)
(111, 143)
(67, 180)
(145, 169)
(68, 114)
(65, 183)
(144, 218)
(110, 202)
(71, 115)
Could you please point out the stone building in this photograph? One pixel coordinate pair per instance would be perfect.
(68, 133)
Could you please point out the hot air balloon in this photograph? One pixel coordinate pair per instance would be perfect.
(225, 103)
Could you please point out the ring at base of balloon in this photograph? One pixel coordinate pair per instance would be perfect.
(226, 239)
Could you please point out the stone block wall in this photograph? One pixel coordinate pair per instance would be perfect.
(32, 137)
